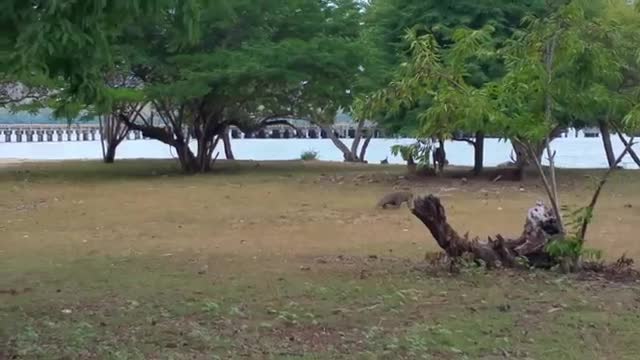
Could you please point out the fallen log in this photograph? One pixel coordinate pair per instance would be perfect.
(539, 228)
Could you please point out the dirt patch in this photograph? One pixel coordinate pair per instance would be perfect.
(296, 341)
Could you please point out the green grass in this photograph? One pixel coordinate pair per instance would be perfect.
(135, 308)
(126, 170)
(108, 303)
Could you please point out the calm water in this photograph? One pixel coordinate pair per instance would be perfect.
(571, 152)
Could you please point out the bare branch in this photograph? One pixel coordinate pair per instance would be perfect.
(357, 137)
(469, 141)
(554, 184)
(545, 182)
(550, 187)
(15, 93)
(346, 152)
(154, 132)
(589, 210)
(633, 154)
(365, 145)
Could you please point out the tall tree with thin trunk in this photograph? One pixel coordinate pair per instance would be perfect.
(603, 73)
(527, 104)
(438, 75)
(388, 21)
(605, 134)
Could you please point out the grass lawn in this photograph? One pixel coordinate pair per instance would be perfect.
(290, 260)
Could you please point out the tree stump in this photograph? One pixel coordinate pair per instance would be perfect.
(540, 226)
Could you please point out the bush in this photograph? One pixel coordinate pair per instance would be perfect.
(417, 156)
(309, 155)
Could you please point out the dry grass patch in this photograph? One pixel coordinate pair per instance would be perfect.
(288, 260)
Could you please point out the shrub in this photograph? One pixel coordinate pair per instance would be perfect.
(309, 155)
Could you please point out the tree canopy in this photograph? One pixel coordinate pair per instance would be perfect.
(388, 22)
(73, 40)
(519, 70)
(250, 61)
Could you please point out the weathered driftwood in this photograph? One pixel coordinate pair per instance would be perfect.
(540, 226)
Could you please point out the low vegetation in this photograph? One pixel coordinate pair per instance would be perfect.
(309, 155)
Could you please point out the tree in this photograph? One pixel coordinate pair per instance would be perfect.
(73, 40)
(540, 81)
(388, 21)
(327, 94)
(355, 153)
(55, 54)
(126, 106)
(604, 69)
(524, 105)
(438, 77)
(251, 61)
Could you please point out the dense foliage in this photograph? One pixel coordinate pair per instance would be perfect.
(251, 64)
(574, 66)
(183, 70)
(72, 40)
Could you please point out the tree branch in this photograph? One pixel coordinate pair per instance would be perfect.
(589, 210)
(469, 141)
(9, 88)
(160, 134)
(347, 154)
(357, 136)
(554, 184)
(633, 154)
(101, 129)
(545, 181)
(365, 145)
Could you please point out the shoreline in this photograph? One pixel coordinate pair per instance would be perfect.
(9, 162)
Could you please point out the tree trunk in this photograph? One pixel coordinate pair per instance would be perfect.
(522, 159)
(365, 146)
(187, 159)
(226, 140)
(101, 133)
(346, 152)
(204, 154)
(594, 200)
(206, 146)
(110, 153)
(112, 132)
(357, 137)
(440, 156)
(412, 167)
(539, 227)
(478, 153)
(606, 142)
